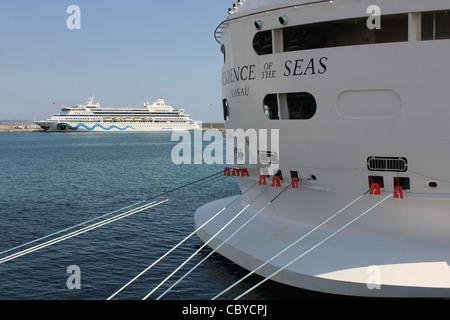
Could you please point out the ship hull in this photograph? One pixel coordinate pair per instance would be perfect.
(369, 258)
(55, 126)
(373, 99)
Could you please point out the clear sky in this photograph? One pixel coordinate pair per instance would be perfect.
(126, 52)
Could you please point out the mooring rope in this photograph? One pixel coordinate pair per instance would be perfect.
(188, 184)
(204, 245)
(105, 215)
(222, 243)
(292, 244)
(315, 246)
(180, 243)
(81, 231)
(70, 228)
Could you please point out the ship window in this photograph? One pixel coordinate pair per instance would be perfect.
(222, 48)
(270, 106)
(348, 32)
(295, 105)
(262, 42)
(301, 105)
(442, 25)
(427, 26)
(226, 110)
(436, 25)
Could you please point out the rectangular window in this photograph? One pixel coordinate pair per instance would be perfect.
(301, 105)
(436, 25)
(443, 25)
(428, 26)
(295, 105)
(394, 28)
(348, 32)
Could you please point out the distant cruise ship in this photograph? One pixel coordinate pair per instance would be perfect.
(156, 116)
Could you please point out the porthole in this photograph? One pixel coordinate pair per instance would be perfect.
(283, 20)
(432, 184)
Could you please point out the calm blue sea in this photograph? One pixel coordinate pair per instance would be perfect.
(52, 181)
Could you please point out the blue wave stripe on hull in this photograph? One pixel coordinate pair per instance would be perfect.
(93, 127)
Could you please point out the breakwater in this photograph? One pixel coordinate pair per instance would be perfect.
(19, 128)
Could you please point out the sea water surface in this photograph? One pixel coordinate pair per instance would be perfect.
(53, 181)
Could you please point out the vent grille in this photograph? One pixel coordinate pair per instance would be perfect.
(393, 164)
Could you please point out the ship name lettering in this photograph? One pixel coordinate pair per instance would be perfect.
(300, 67)
(240, 73)
(240, 92)
(269, 74)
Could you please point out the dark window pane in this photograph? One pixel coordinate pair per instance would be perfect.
(226, 109)
(301, 105)
(443, 25)
(262, 42)
(270, 105)
(428, 26)
(394, 28)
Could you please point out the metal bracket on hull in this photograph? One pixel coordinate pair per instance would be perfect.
(236, 172)
(398, 193)
(262, 180)
(276, 182)
(375, 188)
